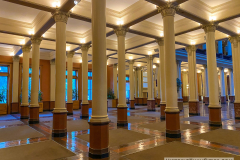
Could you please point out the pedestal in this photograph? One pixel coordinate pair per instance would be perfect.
(158, 101)
(132, 104)
(136, 101)
(84, 111)
(173, 125)
(140, 101)
(69, 107)
(52, 105)
(34, 115)
(151, 105)
(215, 116)
(122, 116)
(185, 98)
(162, 106)
(223, 99)
(194, 108)
(14, 108)
(59, 124)
(144, 101)
(237, 110)
(24, 112)
(232, 99)
(206, 100)
(200, 98)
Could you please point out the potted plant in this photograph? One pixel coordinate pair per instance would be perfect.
(3, 102)
(40, 101)
(179, 86)
(112, 102)
(75, 99)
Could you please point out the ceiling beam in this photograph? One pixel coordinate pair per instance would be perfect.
(228, 18)
(189, 30)
(226, 31)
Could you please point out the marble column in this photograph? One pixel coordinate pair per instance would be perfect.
(172, 112)
(205, 86)
(15, 104)
(34, 106)
(179, 76)
(150, 100)
(162, 78)
(115, 83)
(185, 86)
(131, 82)
(59, 128)
(231, 86)
(158, 84)
(199, 76)
(192, 70)
(140, 85)
(25, 77)
(122, 106)
(214, 106)
(69, 104)
(136, 86)
(85, 104)
(52, 83)
(222, 83)
(99, 141)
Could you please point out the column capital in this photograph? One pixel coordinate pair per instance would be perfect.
(179, 62)
(15, 58)
(36, 40)
(168, 10)
(234, 40)
(205, 66)
(60, 16)
(220, 68)
(26, 48)
(52, 61)
(190, 49)
(138, 68)
(131, 62)
(211, 27)
(120, 31)
(85, 47)
(160, 41)
(156, 64)
(115, 65)
(70, 54)
(150, 57)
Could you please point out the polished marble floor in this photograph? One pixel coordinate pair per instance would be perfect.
(140, 118)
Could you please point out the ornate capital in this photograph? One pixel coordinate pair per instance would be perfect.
(168, 10)
(204, 66)
(131, 62)
(36, 40)
(60, 16)
(26, 48)
(211, 27)
(85, 47)
(52, 62)
(160, 42)
(139, 68)
(120, 31)
(70, 54)
(220, 68)
(16, 58)
(191, 49)
(234, 41)
(150, 57)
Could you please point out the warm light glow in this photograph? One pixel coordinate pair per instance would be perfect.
(193, 43)
(82, 41)
(119, 22)
(31, 32)
(227, 35)
(212, 18)
(238, 31)
(80, 61)
(130, 57)
(199, 71)
(75, 2)
(184, 70)
(12, 54)
(72, 10)
(107, 63)
(149, 53)
(56, 4)
(22, 42)
(225, 70)
(139, 65)
(117, 69)
(154, 66)
(158, 61)
(68, 48)
(43, 35)
(21, 55)
(161, 34)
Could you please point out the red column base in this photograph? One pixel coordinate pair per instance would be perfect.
(59, 128)
(173, 125)
(158, 101)
(215, 116)
(132, 104)
(223, 100)
(69, 107)
(180, 105)
(140, 101)
(33, 115)
(206, 100)
(151, 105)
(136, 101)
(24, 112)
(144, 101)
(52, 105)
(14, 107)
(185, 98)
(194, 108)
(84, 111)
(99, 140)
(122, 116)
(232, 99)
(200, 98)
(237, 110)
(162, 106)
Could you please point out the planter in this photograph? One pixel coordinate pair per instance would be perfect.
(76, 104)
(40, 107)
(112, 103)
(3, 108)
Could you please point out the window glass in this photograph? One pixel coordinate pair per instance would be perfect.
(89, 89)
(127, 78)
(144, 79)
(74, 73)
(145, 74)
(74, 87)
(127, 90)
(89, 74)
(30, 70)
(3, 69)
(3, 88)
(145, 85)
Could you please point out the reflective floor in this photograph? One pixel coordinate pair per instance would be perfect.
(80, 147)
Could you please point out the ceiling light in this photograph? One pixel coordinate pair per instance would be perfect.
(193, 43)
(149, 53)
(161, 34)
(56, 4)
(31, 32)
(75, 2)
(238, 31)
(68, 48)
(80, 61)
(139, 65)
(22, 42)
(43, 35)
(158, 61)
(225, 70)
(107, 63)
(82, 41)
(72, 10)
(184, 70)
(212, 18)
(199, 71)
(130, 57)
(154, 66)
(119, 22)
(12, 54)
(21, 55)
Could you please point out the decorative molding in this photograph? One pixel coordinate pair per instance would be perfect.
(26, 49)
(190, 49)
(70, 54)
(85, 47)
(131, 61)
(120, 31)
(160, 42)
(234, 40)
(168, 10)
(16, 58)
(211, 27)
(52, 61)
(60, 16)
(36, 40)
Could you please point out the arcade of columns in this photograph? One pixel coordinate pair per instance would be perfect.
(166, 74)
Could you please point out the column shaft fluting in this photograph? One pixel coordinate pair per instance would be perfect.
(52, 83)
(69, 103)
(222, 85)
(150, 100)
(158, 84)
(15, 104)
(131, 82)
(115, 83)
(205, 86)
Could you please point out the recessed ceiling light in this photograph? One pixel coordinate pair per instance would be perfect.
(82, 41)
(120, 22)
(68, 48)
(130, 57)
(149, 53)
(139, 65)
(154, 66)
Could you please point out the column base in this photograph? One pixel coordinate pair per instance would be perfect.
(136, 101)
(99, 140)
(185, 98)
(232, 99)
(14, 108)
(158, 101)
(144, 101)
(194, 108)
(84, 111)
(206, 100)
(24, 112)
(180, 105)
(59, 124)
(162, 116)
(223, 100)
(200, 98)
(237, 110)
(69, 107)
(33, 115)
(122, 116)
(52, 105)
(132, 104)
(215, 116)
(173, 125)
(151, 105)
(140, 101)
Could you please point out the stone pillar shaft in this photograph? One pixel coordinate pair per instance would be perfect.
(52, 83)
(179, 75)
(139, 74)
(150, 100)
(115, 85)
(131, 82)
(231, 82)
(69, 82)
(15, 79)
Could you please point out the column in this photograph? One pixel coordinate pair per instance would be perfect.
(185, 86)
(179, 76)
(136, 86)
(34, 106)
(25, 77)
(150, 100)
(59, 128)
(172, 112)
(192, 70)
(214, 106)
(14, 104)
(199, 77)
(69, 104)
(99, 141)
(205, 86)
(52, 83)
(131, 79)
(226, 84)
(115, 90)
(140, 85)
(231, 86)
(85, 104)
(162, 78)
(122, 106)
(222, 83)
(158, 84)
